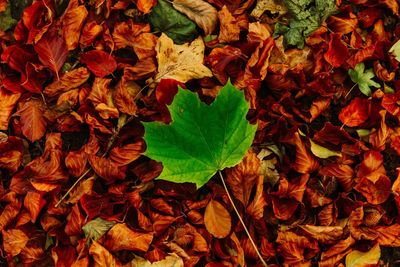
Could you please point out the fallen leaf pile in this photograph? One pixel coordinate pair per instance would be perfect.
(89, 87)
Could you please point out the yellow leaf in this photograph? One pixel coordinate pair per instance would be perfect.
(395, 50)
(171, 260)
(360, 259)
(273, 6)
(180, 62)
(323, 152)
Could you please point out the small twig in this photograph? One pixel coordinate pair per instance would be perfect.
(241, 220)
(351, 89)
(72, 187)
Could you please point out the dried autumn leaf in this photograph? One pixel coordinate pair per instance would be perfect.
(243, 177)
(324, 234)
(180, 62)
(121, 237)
(99, 62)
(102, 257)
(323, 152)
(229, 27)
(201, 12)
(52, 51)
(172, 260)
(32, 120)
(96, 228)
(34, 202)
(14, 241)
(273, 6)
(145, 6)
(7, 103)
(360, 259)
(69, 80)
(376, 192)
(337, 52)
(355, 113)
(72, 23)
(305, 161)
(217, 219)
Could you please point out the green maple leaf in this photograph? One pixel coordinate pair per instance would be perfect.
(363, 78)
(202, 139)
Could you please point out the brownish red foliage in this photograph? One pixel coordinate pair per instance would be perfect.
(76, 84)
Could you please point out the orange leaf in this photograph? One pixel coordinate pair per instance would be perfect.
(68, 81)
(14, 241)
(145, 6)
(229, 27)
(106, 168)
(372, 166)
(376, 192)
(72, 22)
(32, 120)
(217, 219)
(102, 257)
(355, 113)
(337, 52)
(305, 161)
(127, 154)
(121, 237)
(7, 103)
(34, 202)
(324, 234)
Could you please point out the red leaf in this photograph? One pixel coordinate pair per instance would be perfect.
(375, 192)
(52, 51)
(99, 62)
(337, 52)
(355, 113)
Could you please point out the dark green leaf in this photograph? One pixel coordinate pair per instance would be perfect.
(6, 20)
(165, 18)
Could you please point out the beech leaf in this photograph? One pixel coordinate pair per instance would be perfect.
(323, 152)
(358, 259)
(180, 62)
(96, 228)
(201, 12)
(52, 51)
(217, 219)
(363, 78)
(202, 139)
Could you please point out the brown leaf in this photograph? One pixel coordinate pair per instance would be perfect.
(355, 113)
(34, 202)
(125, 95)
(361, 259)
(201, 12)
(102, 257)
(68, 81)
(324, 234)
(229, 27)
(14, 241)
(256, 207)
(145, 6)
(32, 120)
(305, 161)
(121, 237)
(7, 103)
(217, 219)
(106, 168)
(171, 260)
(243, 177)
(85, 187)
(376, 192)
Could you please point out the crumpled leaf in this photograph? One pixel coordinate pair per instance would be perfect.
(180, 62)
(96, 228)
(201, 12)
(121, 237)
(14, 241)
(99, 62)
(166, 19)
(273, 6)
(355, 113)
(172, 260)
(360, 259)
(217, 219)
(363, 78)
(102, 257)
(223, 129)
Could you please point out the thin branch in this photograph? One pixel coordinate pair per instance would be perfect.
(72, 187)
(241, 220)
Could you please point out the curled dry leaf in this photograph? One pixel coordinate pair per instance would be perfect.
(14, 241)
(217, 219)
(32, 119)
(69, 80)
(171, 260)
(359, 259)
(121, 237)
(102, 257)
(201, 12)
(72, 23)
(180, 62)
(7, 103)
(99, 62)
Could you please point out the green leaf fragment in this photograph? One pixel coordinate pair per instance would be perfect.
(96, 228)
(363, 78)
(306, 16)
(6, 20)
(165, 18)
(202, 139)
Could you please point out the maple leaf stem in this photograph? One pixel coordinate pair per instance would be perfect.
(72, 187)
(241, 220)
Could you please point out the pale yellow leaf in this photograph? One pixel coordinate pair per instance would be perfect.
(180, 62)
(273, 6)
(323, 152)
(201, 12)
(395, 50)
(360, 259)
